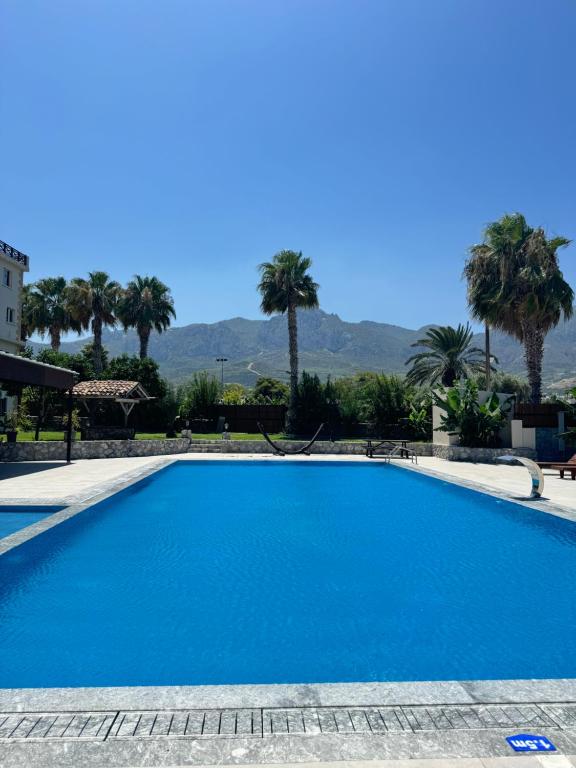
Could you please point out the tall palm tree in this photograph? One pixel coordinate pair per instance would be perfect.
(515, 285)
(45, 309)
(26, 322)
(451, 356)
(92, 304)
(146, 305)
(285, 285)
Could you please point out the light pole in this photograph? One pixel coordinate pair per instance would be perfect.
(222, 360)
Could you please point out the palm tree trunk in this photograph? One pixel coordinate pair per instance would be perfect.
(293, 353)
(533, 355)
(144, 336)
(97, 345)
(55, 338)
(487, 366)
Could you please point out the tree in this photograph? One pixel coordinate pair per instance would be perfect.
(451, 356)
(46, 310)
(146, 305)
(199, 396)
(270, 390)
(285, 286)
(92, 303)
(233, 394)
(26, 322)
(515, 284)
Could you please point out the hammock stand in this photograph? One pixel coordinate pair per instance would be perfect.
(281, 452)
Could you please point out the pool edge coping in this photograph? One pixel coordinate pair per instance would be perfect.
(286, 696)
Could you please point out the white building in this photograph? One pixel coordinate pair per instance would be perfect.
(13, 264)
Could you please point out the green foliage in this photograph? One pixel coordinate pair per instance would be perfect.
(75, 420)
(285, 283)
(507, 383)
(51, 402)
(450, 356)
(145, 305)
(234, 394)
(46, 310)
(270, 391)
(199, 396)
(315, 404)
(92, 303)
(515, 284)
(383, 400)
(477, 425)
(420, 416)
(18, 418)
(388, 402)
(132, 368)
(79, 362)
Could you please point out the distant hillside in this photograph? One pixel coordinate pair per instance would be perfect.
(328, 345)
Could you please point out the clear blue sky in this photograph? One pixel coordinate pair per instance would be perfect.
(194, 138)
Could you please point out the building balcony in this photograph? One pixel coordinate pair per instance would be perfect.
(12, 253)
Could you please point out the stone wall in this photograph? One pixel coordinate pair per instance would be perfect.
(104, 449)
(90, 449)
(319, 447)
(482, 455)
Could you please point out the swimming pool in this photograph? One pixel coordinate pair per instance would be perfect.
(14, 518)
(290, 572)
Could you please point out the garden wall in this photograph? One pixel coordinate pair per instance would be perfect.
(90, 449)
(105, 449)
(483, 455)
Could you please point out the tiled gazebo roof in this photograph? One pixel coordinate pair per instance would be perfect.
(111, 390)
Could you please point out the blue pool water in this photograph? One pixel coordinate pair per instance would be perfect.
(270, 572)
(13, 518)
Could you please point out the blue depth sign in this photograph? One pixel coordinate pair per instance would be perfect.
(525, 742)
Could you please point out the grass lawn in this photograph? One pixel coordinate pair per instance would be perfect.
(236, 436)
(26, 437)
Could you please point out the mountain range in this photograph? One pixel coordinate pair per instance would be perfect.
(328, 345)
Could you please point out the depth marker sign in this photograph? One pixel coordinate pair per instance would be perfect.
(526, 742)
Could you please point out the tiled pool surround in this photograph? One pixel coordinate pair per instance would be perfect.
(428, 712)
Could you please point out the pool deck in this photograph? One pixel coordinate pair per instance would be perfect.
(398, 725)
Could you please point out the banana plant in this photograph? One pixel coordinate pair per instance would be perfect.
(477, 425)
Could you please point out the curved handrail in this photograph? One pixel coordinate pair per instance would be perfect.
(284, 452)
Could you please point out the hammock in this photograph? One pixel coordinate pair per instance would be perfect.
(283, 452)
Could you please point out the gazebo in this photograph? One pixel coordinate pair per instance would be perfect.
(126, 393)
(22, 372)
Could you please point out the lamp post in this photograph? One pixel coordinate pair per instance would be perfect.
(222, 360)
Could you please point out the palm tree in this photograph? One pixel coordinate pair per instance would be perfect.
(92, 303)
(45, 309)
(451, 356)
(26, 322)
(146, 305)
(515, 285)
(286, 285)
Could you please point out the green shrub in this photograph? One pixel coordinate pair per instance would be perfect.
(199, 396)
(477, 425)
(269, 391)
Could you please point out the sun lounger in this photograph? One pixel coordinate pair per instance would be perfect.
(565, 468)
(554, 464)
(562, 466)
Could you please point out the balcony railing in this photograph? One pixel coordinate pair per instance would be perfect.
(13, 253)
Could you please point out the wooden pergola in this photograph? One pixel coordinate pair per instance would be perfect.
(126, 393)
(31, 373)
